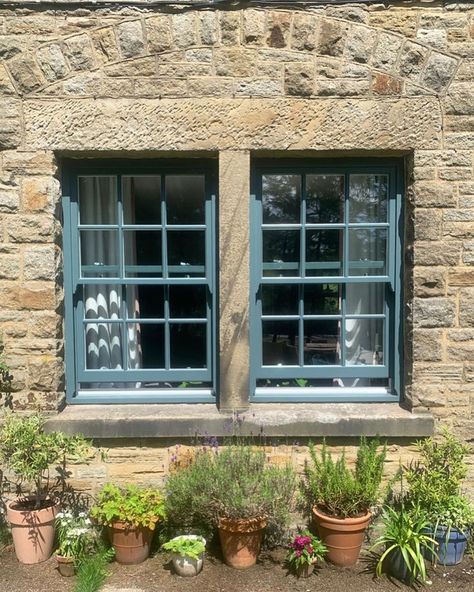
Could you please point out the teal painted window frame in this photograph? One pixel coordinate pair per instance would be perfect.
(76, 373)
(392, 368)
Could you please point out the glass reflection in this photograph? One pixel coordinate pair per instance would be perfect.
(322, 299)
(99, 253)
(186, 253)
(279, 300)
(364, 341)
(188, 345)
(367, 251)
(368, 198)
(97, 200)
(145, 302)
(324, 199)
(281, 199)
(151, 339)
(141, 200)
(187, 302)
(142, 248)
(281, 252)
(323, 252)
(321, 342)
(280, 343)
(365, 298)
(185, 199)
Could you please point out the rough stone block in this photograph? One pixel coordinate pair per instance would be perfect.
(139, 67)
(159, 87)
(79, 52)
(130, 38)
(278, 25)
(360, 44)
(447, 252)
(305, 32)
(434, 312)
(208, 28)
(434, 194)
(25, 73)
(158, 33)
(384, 84)
(39, 263)
(427, 345)
(254, 27)
(386, 51)
(9, 197)
(259, 87)
(44, 325)
(299, 79)
(428, 224)
(341, 87)
(461, 277)
(38, 194)
(429, 282)
(10, 46)
(460, 99)
(235, 62)
(468, 253)
(437, 38)
(45, 373)
(466, 308)
(332, 37)
(412, 58)
(52, 62)
(9, 267)
(6, 85)
(438, 72)
(230, 28)
(105, 45)
(210, 86)
(184, 29)
(403, 22)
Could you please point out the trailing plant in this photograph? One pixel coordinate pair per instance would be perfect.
(187, 546)
(305, 549)
(405, 533)
(338, 490)
(29, 451)
(131, 505)
(92, 570)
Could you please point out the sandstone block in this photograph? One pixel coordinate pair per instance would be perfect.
(6, 85)
(299, 79)
(459, 215)
(349, 13)
(254, 27)
(9, 267)
(210, 86)
(9, 197)
(28, 163)
(30, 228)
(360, 44)
(427, 345)
(429, 282)
(230, 28)
(184, 29)
(386, 52)
(45, 373)
(10, 46)
(204, 56)
(130, 39)
(25, 73)
(428, 224)
(434, 194)
(38, 194)
(305, 32)
(235, 62)
(105, 45)
(438, 72)
(434, 312)
(87, 84)
(327, 67)
(341, 87)
(139, 67)
(278, 24)
(259, 87)
(45, 325)
(468, 252)
(208, 28)
(384, 84)
(412, 59)
(159, 87)
(446, 252)
(466, 308)
(158, 33)
(460, 100)
(332, 38)
(403, 22)
(437, 38)
(52, 62)
(79, 52)
(39, 263)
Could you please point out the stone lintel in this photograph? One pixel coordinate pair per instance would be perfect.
(274, 420)
(232, 124)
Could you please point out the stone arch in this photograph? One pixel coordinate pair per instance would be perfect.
(252, 52)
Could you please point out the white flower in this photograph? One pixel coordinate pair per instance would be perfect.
(82, 515)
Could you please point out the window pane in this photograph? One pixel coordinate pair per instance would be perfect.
(103, 346)
(324, 199)
(279, 300)
(185, 199)
(188, 301)
(142, 253)
(98, 200)
(368, 198)
(365, 298)
(323, 252)
(322, 299)
(188, 345)
(364, 341)
(141, 200)
(281, 199)
(186, 253)
(151, 338)
(280, 343)
(102, 302)
(367, 251)
(281, 252)
(145, 302)
(99, 253)
(321, 342)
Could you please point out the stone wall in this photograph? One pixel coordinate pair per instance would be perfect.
(347, 80)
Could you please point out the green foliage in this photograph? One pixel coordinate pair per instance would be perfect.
(435, 482)
(336, 489)
(305, 549)
(405, 533)
(76, 535)
(187, 546)
(92, 570)
(27, 450)
(132, 505)
(232, 482)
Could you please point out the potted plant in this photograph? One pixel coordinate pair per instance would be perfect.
(234, 490)
(303, 552)
(341, 498)
(187, 554)
(435, 483)
(29, 452)
(404, 539)
(76, 538)
(130, 514)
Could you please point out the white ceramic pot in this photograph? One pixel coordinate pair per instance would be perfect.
(187, 567)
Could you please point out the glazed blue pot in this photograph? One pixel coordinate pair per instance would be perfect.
(451, 546)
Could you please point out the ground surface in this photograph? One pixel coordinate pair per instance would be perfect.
(268, 576)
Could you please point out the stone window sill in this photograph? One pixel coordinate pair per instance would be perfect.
(274, 420)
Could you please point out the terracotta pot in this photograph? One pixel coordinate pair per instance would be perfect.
(241, 540)
(32, 530)
(66, 566)
(343, 537)
(131, 543)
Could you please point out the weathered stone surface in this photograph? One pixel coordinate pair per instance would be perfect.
(45, 373)
(461, 277)
(186, 125)
(259, 87)
(25, 73)
(360, 44)
(9, 197)
(460, 100)
(428, 224)
(158, 33)
(437, 252)
(138, 67)
(427, 345)
(435, 194)
(429, 281)
(438, 72)
(79, 52)
(278, 29)
(208, 28)
(10, 47)
(384, 84)
(39, 263)
(254, 27)
(6, 85)
(434, 312)
(10, 123)
(412, 58)
(305, 32)
(9, 267)
(105, 45)
(235, 62)
(466, 309)
(52, 62)
(386, 52)
(434, 37)
(38, 194)
(184, 29)
(131, 39)
(341, 88)
(230, 28)
(332, 37)
(403, 22)
(299, 80)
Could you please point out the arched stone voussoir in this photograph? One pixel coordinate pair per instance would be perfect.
(237, 53)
